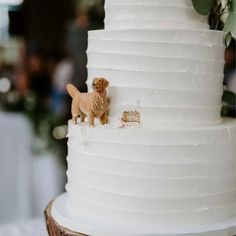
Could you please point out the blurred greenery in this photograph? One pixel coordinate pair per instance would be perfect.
(229, 104)
(222, 15)
(229, 98)
(43, 119)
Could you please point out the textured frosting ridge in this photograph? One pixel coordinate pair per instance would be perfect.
(152, 14)
(168, 75)
(153, 178)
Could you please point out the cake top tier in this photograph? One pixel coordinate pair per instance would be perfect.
(152, 14)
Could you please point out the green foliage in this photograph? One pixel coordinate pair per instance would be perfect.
(229, 101)
(229, 98)
(43, 120)
(230, 24)
(228, 38)
(203, 7)
(232, 5)
(222, 15)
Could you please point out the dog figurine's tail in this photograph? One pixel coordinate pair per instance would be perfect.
(72, 90)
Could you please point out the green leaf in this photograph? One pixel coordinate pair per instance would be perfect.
(233, 5)
(229, 98)
(224, 3)
(203, 7)
(225, 111)
(230, 24)
(228, 39)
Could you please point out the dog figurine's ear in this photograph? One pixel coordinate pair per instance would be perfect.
(106, 83)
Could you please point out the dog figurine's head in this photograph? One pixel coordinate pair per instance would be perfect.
(100, 84)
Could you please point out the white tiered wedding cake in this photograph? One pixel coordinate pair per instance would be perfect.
(175, 172)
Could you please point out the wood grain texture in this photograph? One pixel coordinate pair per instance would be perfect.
(53, 228)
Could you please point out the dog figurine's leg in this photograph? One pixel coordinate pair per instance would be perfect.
(82, 116)
(91, 119)
(75, 119)
(75, 110)
(104, 118)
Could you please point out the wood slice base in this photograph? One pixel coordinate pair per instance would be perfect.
(53, 228)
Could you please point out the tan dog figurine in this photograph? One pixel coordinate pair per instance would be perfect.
(93, 104)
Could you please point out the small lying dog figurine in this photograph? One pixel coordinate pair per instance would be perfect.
(93, 104)
(131, 116)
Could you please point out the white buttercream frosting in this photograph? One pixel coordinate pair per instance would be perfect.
(169, 76)
(163, 177)
(152, 14)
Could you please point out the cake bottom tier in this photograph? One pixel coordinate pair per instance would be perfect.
(79, 226)
(152, 179)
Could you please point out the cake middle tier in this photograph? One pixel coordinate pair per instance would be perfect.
(172, 76)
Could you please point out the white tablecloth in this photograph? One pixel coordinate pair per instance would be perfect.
(15, 168)
(27, 182)
(36, 227)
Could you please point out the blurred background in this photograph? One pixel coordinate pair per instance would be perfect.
(42, 47)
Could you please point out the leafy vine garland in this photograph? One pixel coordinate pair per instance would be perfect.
(222, 15)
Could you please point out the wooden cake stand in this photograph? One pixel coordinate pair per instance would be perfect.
(54, 229)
